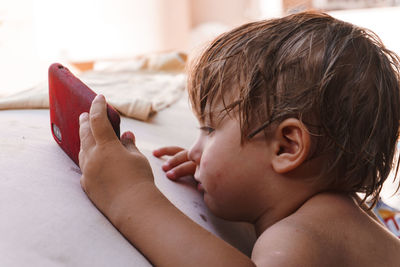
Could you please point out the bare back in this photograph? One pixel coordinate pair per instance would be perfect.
(328, 230)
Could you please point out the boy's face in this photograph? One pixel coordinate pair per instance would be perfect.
(235, 177)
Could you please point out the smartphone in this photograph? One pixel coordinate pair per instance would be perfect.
(68, 98)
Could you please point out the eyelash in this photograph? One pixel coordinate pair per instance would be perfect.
(208, 130)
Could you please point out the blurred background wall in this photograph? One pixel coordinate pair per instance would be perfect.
(35, 33)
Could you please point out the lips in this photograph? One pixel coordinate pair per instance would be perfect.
(200, 188)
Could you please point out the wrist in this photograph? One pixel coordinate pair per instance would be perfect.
(129, 206)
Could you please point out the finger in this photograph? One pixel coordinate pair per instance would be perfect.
(128, 140)
(101, 127)
(82, 181)
(169, 151)
(176, 160)
(85, 133)
(83, 184)
(81, 159)
(185, 169)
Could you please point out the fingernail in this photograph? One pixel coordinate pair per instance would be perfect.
(166, 166)
(128, 135)
(171, 174)
(83, 116)
(100, 97)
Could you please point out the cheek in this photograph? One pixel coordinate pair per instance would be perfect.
(213, 173)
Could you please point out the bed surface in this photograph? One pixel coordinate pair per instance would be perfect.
(47, 220)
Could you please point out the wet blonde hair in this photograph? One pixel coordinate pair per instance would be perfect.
(337, 78)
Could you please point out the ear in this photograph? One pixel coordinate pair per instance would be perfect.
(291, 145)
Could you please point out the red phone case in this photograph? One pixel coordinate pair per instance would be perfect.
(68, 98)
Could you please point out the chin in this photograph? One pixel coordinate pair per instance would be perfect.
(225, 213)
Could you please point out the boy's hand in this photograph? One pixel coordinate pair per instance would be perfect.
(179, 165)
(119, 181)
(111, 169)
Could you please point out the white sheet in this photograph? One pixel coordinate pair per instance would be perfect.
(46, 219)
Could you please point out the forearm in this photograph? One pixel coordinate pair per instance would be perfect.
(119, 181)
(165, 235)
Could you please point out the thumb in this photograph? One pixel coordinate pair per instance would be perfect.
(128, 141)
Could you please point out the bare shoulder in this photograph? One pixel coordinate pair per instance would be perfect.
(287, 244)
(328, 230)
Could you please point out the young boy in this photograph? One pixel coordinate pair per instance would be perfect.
(297, 115)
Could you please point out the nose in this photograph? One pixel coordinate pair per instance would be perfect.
(195, 152)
